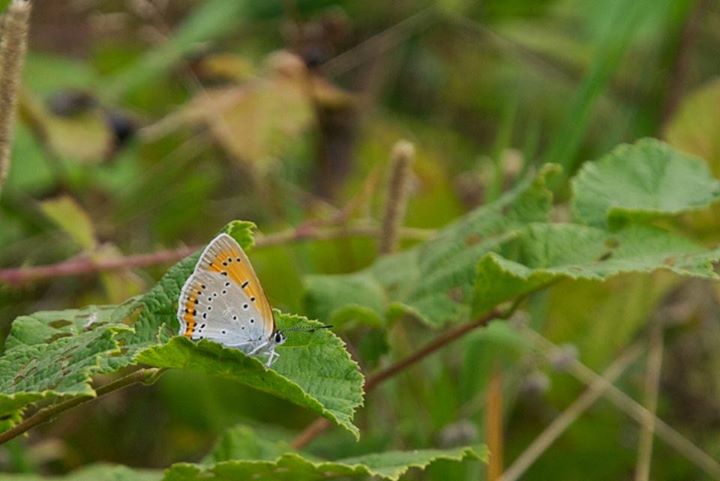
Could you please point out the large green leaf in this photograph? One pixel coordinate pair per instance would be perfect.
(62, 368)
(241, 442)
(545, 253)
(44, 327)
(389, 465)
(314, 369)
(647, 179)
(434, 280)
(506, 248)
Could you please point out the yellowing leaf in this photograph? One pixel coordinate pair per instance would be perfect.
(257, 120)
(696, 126)
(72, 219)
(83, 137)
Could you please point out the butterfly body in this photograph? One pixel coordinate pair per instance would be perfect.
(223, 301)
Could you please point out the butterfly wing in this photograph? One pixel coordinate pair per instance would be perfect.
(213, 307)
(223, 261)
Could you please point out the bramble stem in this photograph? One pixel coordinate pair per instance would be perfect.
(48, 413)
(85, 265)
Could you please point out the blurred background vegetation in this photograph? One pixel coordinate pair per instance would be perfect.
(149, 124)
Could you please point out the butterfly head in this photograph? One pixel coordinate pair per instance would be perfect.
(278, 338)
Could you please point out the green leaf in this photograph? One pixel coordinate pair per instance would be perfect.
(434, 280)
(44, 327)
(64, 349)
(293, 467)
(545, 253)
(389, 465)
(62, 368)
(314, 369)
(641, 181)
(326, 299)
(242, 442)
(72, 219)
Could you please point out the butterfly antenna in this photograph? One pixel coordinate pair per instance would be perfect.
(307, 329)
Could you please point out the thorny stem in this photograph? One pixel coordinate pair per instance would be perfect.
(12, 55)
(86, 265)
(46, 414)
(397, 195)
(318, 426)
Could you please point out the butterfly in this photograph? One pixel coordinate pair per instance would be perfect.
(223, 301)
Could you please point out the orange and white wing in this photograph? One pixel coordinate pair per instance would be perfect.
(225, 256)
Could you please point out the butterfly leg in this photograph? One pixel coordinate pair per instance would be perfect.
(272, 357)
(258, 348)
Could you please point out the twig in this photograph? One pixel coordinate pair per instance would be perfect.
(652, 386)
(313, 430)
(635, 410)
(86, 265)
(48, 413)
(378, 377)
(397, 195)
(372, 381)
(12, 56)
(571, 414)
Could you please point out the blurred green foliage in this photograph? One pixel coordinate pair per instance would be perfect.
(121, 149)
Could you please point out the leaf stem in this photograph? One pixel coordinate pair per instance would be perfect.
(86, 265)
(48, 413)
(373, 380)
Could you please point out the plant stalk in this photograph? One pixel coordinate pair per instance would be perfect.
(397, 195)
(12, 56)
